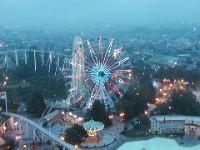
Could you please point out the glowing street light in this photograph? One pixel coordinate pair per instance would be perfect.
(16, 123)
(62, 138)
(146, 112)
(76, 146)
(110, 116)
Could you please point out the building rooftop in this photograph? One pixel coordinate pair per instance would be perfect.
(175, 117)
(93, 125)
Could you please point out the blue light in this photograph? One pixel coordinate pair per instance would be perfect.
(100, 71)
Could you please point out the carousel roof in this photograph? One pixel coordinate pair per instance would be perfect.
(93, 125)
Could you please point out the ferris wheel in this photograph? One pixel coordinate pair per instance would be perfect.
(104, 72)
(108, 71)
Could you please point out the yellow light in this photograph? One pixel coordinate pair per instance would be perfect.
(164, 94)
(121, 114)
(110, 116)
(62, 138)
(18, 137)
(4, 128)
(80, 118)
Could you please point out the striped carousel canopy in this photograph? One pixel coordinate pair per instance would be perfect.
(93, 125)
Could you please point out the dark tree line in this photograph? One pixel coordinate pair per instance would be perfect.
(98, 113)
(75, 135)
(36, 104)
(182, 103)
(178, 73)
(135, 100)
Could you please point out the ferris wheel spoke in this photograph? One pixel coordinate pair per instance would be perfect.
(108, 51)
(88, 67)
(100, 46)
(92, 53)
(117, 52)
(117, 64)
(116, 89)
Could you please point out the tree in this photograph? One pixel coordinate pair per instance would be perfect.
(135, 100)
(185, 103)
(99, 113)
(75, 135)
(163, 109)
(178, 72)
(36, 104)
(143, 123)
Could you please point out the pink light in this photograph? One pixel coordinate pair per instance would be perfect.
(18, 137)
(121, 81)
(100, 45)
(116, 89)
(117, 52)
(89, 45)
(73, 76)
(126, 71)
(80, 98)
(80, 52)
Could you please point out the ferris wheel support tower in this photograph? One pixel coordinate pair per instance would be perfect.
(99, 93)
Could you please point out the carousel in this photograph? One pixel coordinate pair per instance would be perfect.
(93, 127)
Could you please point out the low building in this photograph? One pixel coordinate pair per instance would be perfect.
(192, 127)
(165, 124)
(75, 117)
(52, 117)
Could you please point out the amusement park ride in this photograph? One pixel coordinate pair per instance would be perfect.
(94, 72)
(98, 71)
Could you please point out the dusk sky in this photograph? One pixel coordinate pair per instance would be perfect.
(84, 12)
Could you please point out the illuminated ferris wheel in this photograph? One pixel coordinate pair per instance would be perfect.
(108, 72)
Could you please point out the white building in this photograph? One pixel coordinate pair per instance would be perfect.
(165, 124)
(192, 127)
